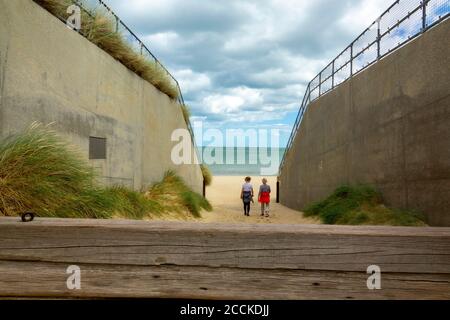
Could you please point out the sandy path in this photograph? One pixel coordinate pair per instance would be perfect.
(224, 195)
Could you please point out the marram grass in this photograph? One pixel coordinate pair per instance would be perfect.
(176, 196)
(361, 205)
(40, 173)
(101, 30)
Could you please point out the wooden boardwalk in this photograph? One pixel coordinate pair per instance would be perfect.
(137, 259)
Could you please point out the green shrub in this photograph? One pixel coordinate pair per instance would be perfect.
(362, 204)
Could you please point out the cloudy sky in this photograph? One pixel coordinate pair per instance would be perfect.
(246, 63)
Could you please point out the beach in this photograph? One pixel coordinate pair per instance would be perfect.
(224, 195)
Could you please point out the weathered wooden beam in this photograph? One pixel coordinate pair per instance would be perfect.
(48, 280)
(414, 250)
(221, 261)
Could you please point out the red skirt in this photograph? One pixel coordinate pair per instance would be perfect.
(264, 197)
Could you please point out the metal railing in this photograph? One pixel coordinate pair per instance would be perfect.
(403, 21)
(93, 6)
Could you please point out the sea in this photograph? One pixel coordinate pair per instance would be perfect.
(238, 161)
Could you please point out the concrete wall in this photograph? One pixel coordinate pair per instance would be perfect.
(52, 74)
(388, 126)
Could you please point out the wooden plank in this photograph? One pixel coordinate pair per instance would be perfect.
(48, 280)
(141, 243)
(220, 261)
(238, 227)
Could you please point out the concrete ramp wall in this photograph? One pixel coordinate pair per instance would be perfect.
(49, 73)
(388, 126)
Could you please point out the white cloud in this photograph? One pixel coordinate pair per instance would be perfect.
(220, 103)
(161, 41)
(362, 14)
(191, 81)
(234, 101)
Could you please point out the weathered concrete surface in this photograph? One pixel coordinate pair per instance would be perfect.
(388, 126)
(51, 74)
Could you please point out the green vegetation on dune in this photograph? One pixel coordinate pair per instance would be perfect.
(40, 173)
(207, 175)
(360, 205)
(101, 30)
(175, 196)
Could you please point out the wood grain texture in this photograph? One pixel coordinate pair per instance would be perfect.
(191, 260)
(41, 279)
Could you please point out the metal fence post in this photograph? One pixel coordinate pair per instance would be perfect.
(332, 75)
(278, 191)
(424, 15)
(351, 59)
(320, 84)
(378, 38)
(309, 96)
(204, 188)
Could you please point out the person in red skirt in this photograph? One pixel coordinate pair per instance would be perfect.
(264, 197)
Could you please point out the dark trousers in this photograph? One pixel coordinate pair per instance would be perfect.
(247, 208)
